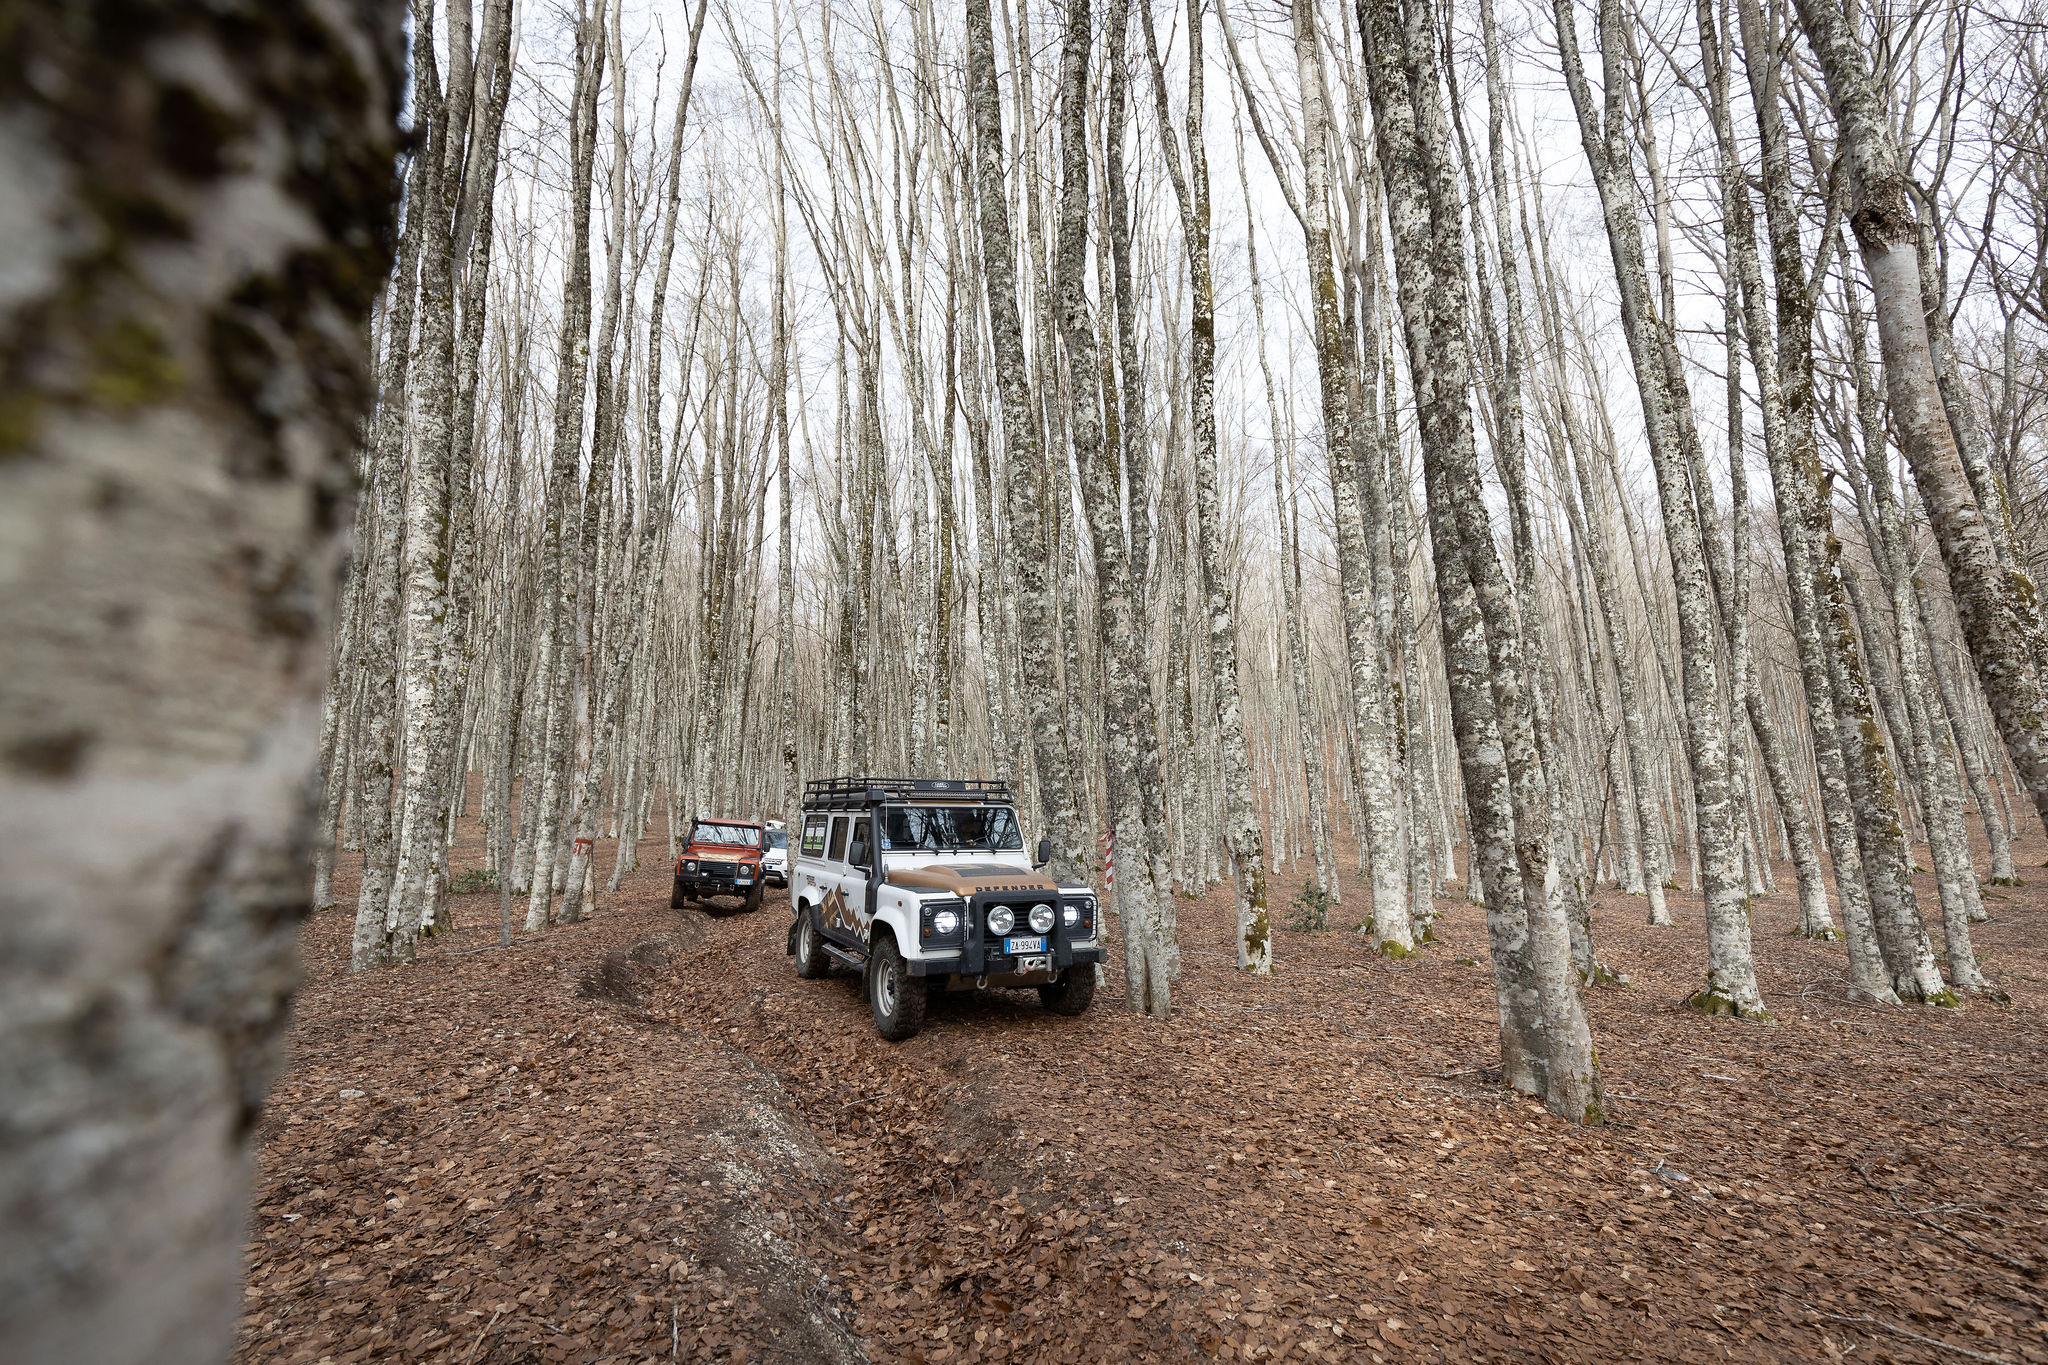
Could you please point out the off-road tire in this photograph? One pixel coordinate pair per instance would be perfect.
(1073, 992)
(753, 898)
(895, 997)
(676, 899)
(812, 962)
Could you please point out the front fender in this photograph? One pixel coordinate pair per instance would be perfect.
(901, 923)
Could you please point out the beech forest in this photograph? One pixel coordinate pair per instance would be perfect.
(1484, 559)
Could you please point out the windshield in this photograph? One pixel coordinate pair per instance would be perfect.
(778, 838)
(739, 836)
(980, 829)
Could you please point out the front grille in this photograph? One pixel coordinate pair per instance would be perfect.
(721, 870)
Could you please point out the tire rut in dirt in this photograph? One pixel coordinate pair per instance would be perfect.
(773, 1179)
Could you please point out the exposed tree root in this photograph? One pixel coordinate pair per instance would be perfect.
(1603, 975)
(1718, 1004)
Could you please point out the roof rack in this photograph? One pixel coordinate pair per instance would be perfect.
(854, 793)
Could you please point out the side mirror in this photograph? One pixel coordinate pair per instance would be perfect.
(1044, 853)
(857, 853)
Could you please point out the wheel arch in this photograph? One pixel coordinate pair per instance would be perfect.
(898, 921)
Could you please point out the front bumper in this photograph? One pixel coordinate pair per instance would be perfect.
(975, 960)
(981, 953)
(696, 884)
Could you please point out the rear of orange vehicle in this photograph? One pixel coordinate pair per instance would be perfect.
(722, 858)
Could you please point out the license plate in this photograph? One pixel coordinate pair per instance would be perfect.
(1014, 946)
(743, 881)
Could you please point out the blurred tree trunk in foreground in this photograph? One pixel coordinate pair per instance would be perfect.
(197, 212)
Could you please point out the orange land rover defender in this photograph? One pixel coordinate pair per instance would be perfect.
(722, 858)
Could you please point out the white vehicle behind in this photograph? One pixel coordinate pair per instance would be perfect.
(775, 854)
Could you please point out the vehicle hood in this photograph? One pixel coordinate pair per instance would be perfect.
(721, 853)
(964, 879)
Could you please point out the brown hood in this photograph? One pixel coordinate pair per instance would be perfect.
(964, 879)
(721, 853)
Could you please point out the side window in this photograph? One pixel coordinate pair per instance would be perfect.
(814, 836)
(860, 836)
(838, 853)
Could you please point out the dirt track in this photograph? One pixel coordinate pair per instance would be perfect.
(643, 1138)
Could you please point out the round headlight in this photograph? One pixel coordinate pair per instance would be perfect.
(690, 866)
(1041, 919)
(945, 922)
(1001, 920)
(1070, 915)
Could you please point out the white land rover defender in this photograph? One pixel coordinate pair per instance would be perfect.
(922, 884)
(775, 853)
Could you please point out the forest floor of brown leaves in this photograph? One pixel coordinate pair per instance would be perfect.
(642, 1138)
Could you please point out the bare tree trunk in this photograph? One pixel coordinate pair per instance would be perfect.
(1242, 834)
(1652, 857)
(1934, 760)
(380, 639)
(1143, 892)
(1993, 497)
(1998, 605)
(1289, 572)
(1365, 646)
(1150, 850)
(558, 580)
(1429, 256)
(1511, 461)
(1955, 718)
(334, 709)
(1785, 397)
(1739, 230)
(426, 498)
(1127, 696)
(192, 491)
(595, 682)
(440, 534)
(1028, 526)
(1417, 755)
(1731, 973)
(785, 550)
